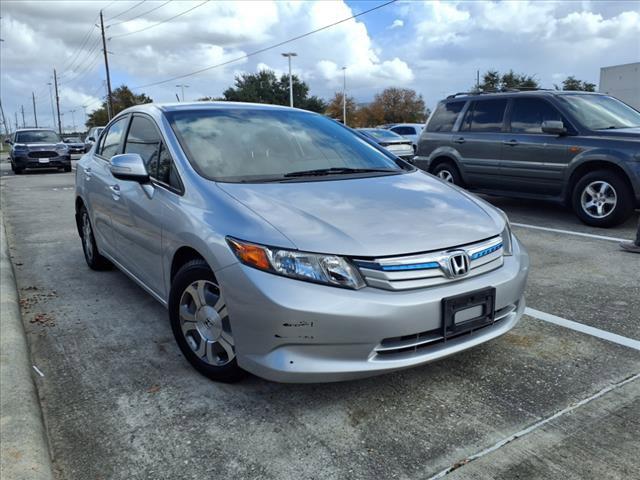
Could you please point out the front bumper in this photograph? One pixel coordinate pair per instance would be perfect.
(51, 162)
(292, 331)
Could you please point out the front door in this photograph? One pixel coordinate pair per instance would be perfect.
(533, 161)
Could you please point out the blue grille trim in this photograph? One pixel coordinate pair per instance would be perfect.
(486, 251)
(397, 268)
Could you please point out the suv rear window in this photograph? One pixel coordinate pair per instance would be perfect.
(445, 116)
(485, 116)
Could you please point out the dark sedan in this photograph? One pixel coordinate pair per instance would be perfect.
(396, 144)
(75, 144)
(38, 148)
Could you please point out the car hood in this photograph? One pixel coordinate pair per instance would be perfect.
(41, 146)
(372, 216)
(631, 133)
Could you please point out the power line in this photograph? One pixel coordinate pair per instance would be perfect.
(141, 15)
(161, 22)
(127, 10)
(271, 47)
(80, 70)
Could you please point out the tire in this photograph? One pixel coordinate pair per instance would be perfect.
(13, 167)
(448, 172)
(67, 168)
(602, 199)
(200, 323)
(89, 247)
(18, 170)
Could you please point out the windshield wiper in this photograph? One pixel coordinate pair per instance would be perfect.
(336, 171)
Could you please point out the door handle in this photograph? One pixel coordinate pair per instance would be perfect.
(511, 143)
(115, 191)
(87, 173)
(460, 140)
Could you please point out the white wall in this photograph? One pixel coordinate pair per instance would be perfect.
(622, 82)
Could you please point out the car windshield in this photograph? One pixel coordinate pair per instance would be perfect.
(380, 134)
(600, 112)
(245, 145)
(37, 136)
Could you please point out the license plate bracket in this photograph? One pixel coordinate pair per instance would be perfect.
(455, 311)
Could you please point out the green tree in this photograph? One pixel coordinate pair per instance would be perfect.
(399, 105)
(493, 81)
(265, 87)
(122, 98)
(572, 83)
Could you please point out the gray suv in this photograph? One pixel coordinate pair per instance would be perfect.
(38, 148)
(580, 149)
(285, 244)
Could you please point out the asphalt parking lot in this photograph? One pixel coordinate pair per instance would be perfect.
(543, 401)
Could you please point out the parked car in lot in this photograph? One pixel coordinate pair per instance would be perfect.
(92, 136)
(75, 144)
(38, 148)
(393, 142)
(411, 131)
(285, 244)
(578, 148)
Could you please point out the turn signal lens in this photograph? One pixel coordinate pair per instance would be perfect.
(250, 254)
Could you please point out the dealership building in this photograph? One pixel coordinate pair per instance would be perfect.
(623, 82)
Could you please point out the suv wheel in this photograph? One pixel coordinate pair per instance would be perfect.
(91, 253)
(448, 172)
(200, 323)
(602, 199)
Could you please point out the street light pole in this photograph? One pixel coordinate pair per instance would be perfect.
(344, 95)
(289, 55)
(182, 86)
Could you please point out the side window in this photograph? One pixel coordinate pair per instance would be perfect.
(144, 139)
(445, 116)
(167, 170)
(528, 114)
(404, 130)
(485, 116)
(111, 139)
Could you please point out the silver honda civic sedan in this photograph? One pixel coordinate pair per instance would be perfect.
(286, 245)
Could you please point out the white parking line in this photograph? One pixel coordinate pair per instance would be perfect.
(569, 232)
(533, 427)
(579, 327)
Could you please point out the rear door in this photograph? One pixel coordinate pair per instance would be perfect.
(479, 142)
(99, 181)
(533, 161)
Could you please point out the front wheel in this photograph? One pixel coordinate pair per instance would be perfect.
(602, 199)
(89, 247)
(200, 323)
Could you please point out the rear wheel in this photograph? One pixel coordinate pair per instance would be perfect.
(448, 172)
(91, 253)
(200, 323)
(602, 199)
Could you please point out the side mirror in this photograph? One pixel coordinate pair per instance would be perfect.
(553, 127)
(129, 166)
(66, 140)
(91, 139)
(8, 141)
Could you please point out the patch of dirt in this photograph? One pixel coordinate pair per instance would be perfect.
(44, 319)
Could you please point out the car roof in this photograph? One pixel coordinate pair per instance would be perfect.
(35, 130)
(219, 105)
(517, 93)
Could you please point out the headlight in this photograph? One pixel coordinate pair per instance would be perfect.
(311, 267)
(507, 240)
(62, 149)
(20, 148)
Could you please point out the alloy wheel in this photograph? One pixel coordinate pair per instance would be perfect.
(446, 175)
(598, 199)
(87, 236)
(204, 322)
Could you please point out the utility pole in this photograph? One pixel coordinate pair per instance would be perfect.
(35, 115)
(289, 55)
(23, 122)
(53, 113)
(73, 119)
(106, 67)
(16, 120)
(477, 80)
(4, 120)
(182, 86)
(55, 84)
(344, 95)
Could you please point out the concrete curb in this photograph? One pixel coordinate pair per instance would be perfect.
(24, 451)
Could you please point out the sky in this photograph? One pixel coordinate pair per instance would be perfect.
(434, 47)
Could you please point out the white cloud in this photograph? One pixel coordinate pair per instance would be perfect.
(397, 23)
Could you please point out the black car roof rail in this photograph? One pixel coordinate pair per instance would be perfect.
(507, 90)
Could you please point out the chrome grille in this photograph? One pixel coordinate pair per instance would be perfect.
(429, 269)
(390, 348)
